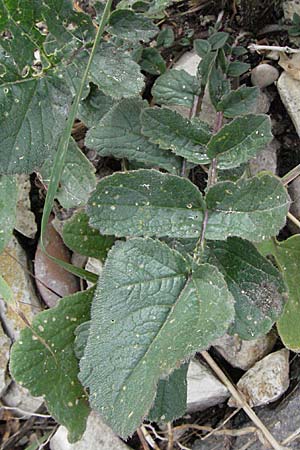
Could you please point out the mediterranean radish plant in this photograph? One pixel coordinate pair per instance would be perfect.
(181, 265)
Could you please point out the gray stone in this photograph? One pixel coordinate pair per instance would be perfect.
(13, 269)
(203, 388)
(282, 421)
(25, 221)
(18, 397)
(264, 75)
(97, 436)
(266, 381)
(289, 91)
(244, 354)
(266, 159)
(5, 343)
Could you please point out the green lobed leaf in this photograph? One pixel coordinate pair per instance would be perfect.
(94, 107)
(240, 140)
(39, 108)
(238, 102)
(43, 361)
(115, 73)
(255, 284)
(165, 37)
(78, 179)
(171, 131)
(287, 257)
(152, 61)
(119, 134)
(253, 208)
(8, 209)
(146, 299)
(146, 203)
(175, 87)
(202, 47)
(83, 239)
(171, 396)
(218, 86)
(218, 40)
(237, 68)
(128, 25)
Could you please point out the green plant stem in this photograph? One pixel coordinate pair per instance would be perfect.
(212, 179)
(60, 156)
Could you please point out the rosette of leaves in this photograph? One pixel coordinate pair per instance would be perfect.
(182, 269)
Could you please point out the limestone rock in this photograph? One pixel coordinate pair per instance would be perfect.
(4, 358)
(264, 75)
(266, 381)
(97, 436)
(13, 269)
(203, 388)
(25, 222)
(289, 91)
(18, 397)
(244, 354)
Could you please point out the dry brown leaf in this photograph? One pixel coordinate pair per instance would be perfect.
(290, 64)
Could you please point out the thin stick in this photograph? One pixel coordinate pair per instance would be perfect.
(291, 175)
(292, 437)
(222, 424)
(170, 437)
(293, 219)
(142, 439)
(149, 438)
(274, 48)
(22, 411)
(225, 432)
(241, 401)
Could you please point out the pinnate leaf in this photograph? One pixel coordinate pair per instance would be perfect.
(175, 87)
(252, 208)
(119, 134)
(146, 203)
(254, 282)
(147, 299)
(128, 25)
(81, 238)
(238, 102)
(170, 130)
(240, 140)
(48, 349)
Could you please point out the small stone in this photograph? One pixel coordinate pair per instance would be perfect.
(244, 354)
(93, 265)
(25, 221)
(97, 436)
(14, 270)
(266, 381)
(203, 388)
(289, 91)
(18, 397)
(59, 280)
(264, 75)
(5, 343)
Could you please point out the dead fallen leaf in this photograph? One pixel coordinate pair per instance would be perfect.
(290, 64)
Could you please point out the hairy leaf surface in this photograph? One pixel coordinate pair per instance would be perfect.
(32, 115)
(43, 361)
(171, 396)
(148, 315)
(78, 179)
(175, 87)
(287, 256)
(128, 25)
(8, 206)
(146, 203)
(119, 134)
(255, 284)
(94, 107)
(81, 238)
(239, 102)
(170, 130)
(253, 209)
(240, 140)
